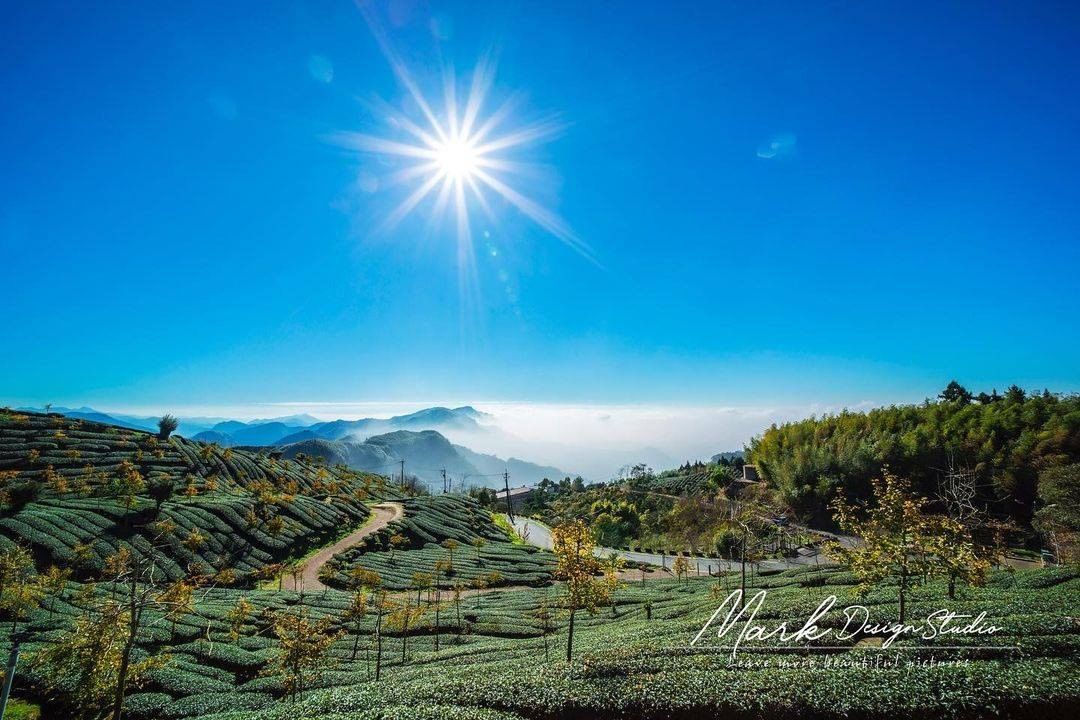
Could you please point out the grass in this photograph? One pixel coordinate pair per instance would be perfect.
(22, 710)
(504, 524)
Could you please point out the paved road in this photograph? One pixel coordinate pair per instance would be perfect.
(385, 513)
(538, 534)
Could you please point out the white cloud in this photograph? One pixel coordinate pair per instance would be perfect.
(777, 146)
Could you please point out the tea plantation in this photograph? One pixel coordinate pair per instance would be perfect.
(75, 492)
(498, 657)
(483, 552)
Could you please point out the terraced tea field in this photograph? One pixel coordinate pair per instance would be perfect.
(75, 492)
(495, 655)
(482, 551)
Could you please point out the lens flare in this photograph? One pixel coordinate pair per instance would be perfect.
(460, 156)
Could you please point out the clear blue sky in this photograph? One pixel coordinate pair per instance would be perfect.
(175, 227)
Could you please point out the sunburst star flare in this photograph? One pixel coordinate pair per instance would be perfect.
(462, 156)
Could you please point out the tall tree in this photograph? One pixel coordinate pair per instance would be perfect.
(573, 545)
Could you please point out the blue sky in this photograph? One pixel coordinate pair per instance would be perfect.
(788, 203)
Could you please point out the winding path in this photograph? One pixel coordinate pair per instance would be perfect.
(385, 513)
(538, 534)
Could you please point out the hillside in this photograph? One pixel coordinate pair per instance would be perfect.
(523, 472)
(426, 454)
(483, 552)
(498, 656)
(75, 492)
(1006, 440)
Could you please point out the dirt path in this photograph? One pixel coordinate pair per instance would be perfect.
(385, 513)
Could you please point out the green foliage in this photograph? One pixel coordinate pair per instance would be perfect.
(22, 710)
(75, 492)
(1058, 517)
(1006, 439)
(166, 426)
(489, 664)
(430, 523)
(899, 539)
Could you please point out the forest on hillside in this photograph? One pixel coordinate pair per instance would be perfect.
(1005, 440)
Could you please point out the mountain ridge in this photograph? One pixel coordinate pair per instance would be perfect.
(426, 454)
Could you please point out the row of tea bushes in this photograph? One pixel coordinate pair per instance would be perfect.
(412, 546)
(76, 492)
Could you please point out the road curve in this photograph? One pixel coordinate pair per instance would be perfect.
(538, 534)
(384, 514)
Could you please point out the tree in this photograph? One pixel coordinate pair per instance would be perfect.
(692, 517)
(681, 568)
(166, 426)
(236, 617)
(1058, 517)
(54, 583)
(362, 581)
(397, 540)
(479, 584)
(451, 545)
(302, 648)
(177, 600)
(953, 554)
(478, 544)
(20, 587)
(355, 612)
(420, 582)
(957, 393)
(382, 605)
(88, 661)
(97, 655)
(900, 540)
(160, 488)
(127, 483)
(572, 543)
(973, 540)
(402, 617)
(614, 522)
(1006, 442)
(746, 518)
(545, 614)
(443, 566)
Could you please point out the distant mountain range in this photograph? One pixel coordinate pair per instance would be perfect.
(373, 444)
(427, 453)
(189, 426)
(285, 430)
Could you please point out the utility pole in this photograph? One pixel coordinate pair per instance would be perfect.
(509, 505)
(444, 481)
(403, 474)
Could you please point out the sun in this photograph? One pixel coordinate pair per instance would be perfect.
(457, 159)
(460, 155)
